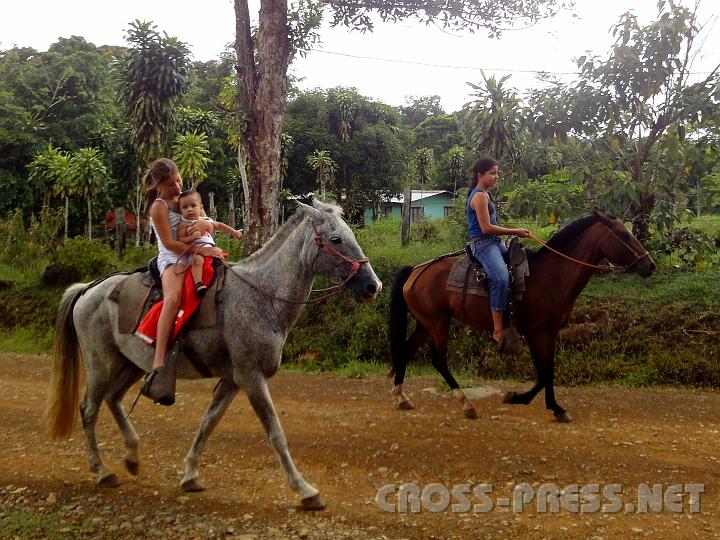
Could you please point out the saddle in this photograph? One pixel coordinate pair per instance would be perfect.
(142, 289)
(460, 280)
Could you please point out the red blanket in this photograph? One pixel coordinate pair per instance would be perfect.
(147, 331)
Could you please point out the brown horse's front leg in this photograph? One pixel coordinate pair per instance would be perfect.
(542, 349)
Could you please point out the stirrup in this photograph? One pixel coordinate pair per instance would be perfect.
(159, 386)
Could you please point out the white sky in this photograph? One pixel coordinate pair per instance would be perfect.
(209, 25)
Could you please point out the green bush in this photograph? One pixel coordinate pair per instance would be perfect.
(79, 259)
(22, 245)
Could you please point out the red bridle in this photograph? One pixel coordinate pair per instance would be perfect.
(354, 265)
(322, 247)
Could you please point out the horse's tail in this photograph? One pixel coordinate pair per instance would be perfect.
(398, 320)
(64, 394)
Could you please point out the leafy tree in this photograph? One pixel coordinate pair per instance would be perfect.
(153, 74)
(440, 133)
(455, 158)
(88, 175)
(190, 153)
(324, 166)
(494, 118)
(424, 160)
(42, 172)
(418, 109)
(64, 186)
(631, 99)
(263, 59)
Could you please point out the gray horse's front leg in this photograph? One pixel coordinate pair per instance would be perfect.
(262, 403)
(223, 396)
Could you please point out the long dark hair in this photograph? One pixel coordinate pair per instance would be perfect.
(482, 166)
(160, 170)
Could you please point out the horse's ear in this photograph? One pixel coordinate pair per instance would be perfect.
(315, 214)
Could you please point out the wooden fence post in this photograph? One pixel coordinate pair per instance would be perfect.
(407, 203)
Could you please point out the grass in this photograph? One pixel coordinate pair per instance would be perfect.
(24, 523)
(660, 330)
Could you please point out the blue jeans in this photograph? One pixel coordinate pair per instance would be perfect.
(489, 252)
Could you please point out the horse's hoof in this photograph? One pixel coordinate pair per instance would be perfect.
(510, 397)
(313, 503)
(470, 413)
(109, 481)
(193, 485)
(132, 467)
(406, 405)
(563, 417)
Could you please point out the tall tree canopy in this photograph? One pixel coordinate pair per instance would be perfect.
(263, 59)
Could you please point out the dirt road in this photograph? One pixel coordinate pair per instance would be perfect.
(349, 441)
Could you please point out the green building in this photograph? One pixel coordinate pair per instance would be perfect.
(432, 204)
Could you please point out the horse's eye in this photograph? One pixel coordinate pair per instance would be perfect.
(335, 240)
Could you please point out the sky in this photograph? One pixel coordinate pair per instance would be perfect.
(399, 60)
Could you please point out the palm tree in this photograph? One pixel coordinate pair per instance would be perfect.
(87, 174)
(63, 186)
(456, 165)
(191, 154)
(324, 166)
(494, 119)
(42, 174)
(153, 74)
(424, 158)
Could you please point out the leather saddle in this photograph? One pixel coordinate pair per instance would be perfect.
(460, 280)
(142, 289)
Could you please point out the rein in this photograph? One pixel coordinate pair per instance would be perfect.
(604, 267)
(322, 247)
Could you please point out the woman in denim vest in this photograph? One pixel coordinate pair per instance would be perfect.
(485, 240)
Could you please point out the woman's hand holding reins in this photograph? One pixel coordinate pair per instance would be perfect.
(522, 233)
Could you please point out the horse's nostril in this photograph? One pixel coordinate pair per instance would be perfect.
(371, 288)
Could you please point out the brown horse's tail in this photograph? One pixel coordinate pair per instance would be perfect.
(398, 321)
(64, 394)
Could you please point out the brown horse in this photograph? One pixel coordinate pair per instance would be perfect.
(552, 287)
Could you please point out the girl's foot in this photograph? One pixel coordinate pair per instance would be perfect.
(498, 336)
(200, 289)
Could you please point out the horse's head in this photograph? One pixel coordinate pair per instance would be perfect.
(621, 247)
(337, 255)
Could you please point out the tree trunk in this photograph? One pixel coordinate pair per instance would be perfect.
(262, 93)
(407, 203)
(67, 215)
(120, 231)
(138, 210)
(211, 205)
(641, 216)
(231, 209)
(89, 218)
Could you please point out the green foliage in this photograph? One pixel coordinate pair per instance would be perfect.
(153, 74)
(80, 259)
(191, 154)
(550, 198)
(23, 245)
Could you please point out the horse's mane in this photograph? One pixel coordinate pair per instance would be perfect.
(277, 240)
(566, 236)
(283, 233)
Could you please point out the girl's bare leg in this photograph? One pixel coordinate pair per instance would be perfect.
(172, 282)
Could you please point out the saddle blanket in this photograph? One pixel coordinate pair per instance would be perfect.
(140, 301)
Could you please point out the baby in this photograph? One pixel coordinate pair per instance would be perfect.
(192, 209)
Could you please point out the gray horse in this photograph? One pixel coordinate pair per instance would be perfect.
(243, 351)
